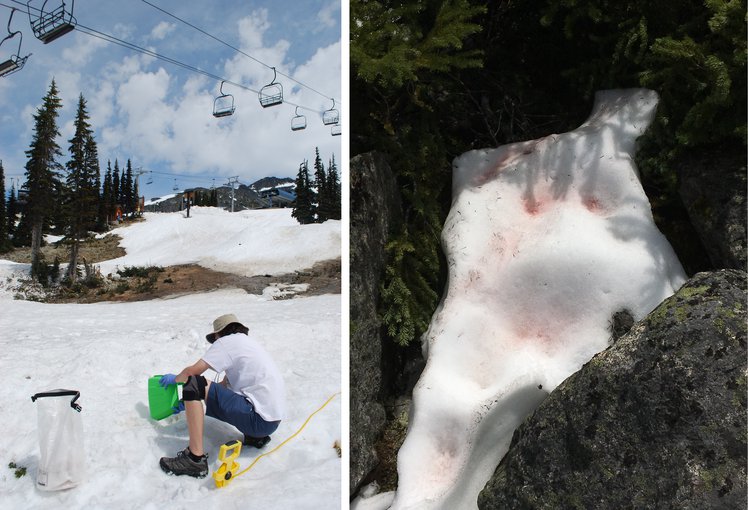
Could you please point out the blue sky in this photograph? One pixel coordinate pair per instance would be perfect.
(158, 114)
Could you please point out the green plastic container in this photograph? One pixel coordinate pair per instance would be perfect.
(161, 400)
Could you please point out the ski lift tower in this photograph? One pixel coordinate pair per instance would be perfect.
(232, 181)
(138, 172)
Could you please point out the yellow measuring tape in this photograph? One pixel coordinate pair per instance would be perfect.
(225, 472)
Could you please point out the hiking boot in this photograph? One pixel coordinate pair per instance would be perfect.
(182, 464)
(257, 442)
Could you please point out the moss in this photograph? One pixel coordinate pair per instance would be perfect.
(715, 478)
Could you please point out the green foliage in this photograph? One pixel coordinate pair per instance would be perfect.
(693, 53)
(19, 471)
(303, 209)
(139, 271)
(5, 244)
(404, 56)
(318, 199)
(392, 43)
(409, 287)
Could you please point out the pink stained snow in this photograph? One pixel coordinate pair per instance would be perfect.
(545, 240)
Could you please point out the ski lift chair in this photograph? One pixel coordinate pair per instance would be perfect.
(15, 62)
(223, 106)
(336, 130)
(298, 122)
(272, 93)
(331, 116)
(53, 24)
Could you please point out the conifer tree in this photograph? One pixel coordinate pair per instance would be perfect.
(4, 239)
(128, 190)
(333, 187)
(82, 187)
(116, 194)
(322, 201)
(406, 58)
(42, 168)
(303, 207)
(105, 187)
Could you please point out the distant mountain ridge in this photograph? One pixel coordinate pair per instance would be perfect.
(245, 196)
(270, 182)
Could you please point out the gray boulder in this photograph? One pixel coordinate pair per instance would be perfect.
(713, 190)
(375, 211)
(656, 421)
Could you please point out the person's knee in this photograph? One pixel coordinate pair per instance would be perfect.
(194, 388)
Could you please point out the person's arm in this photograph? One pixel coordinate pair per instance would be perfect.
(197, 368)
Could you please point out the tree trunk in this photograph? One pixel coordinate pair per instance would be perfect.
(36, 241)
(73, 266)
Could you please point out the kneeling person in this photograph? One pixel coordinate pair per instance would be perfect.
(251, 396)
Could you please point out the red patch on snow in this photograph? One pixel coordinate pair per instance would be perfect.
(532, 206)
(592, 204)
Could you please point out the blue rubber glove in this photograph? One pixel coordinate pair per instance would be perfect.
(167, 380)
(178, 408)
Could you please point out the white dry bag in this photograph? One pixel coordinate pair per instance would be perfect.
(61, 462)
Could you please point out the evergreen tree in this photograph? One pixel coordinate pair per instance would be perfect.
(116, 193)
(303, 209)
(406, 60)
(82, 185)
(22, 232)
(322, 201)
(41, 171)
(333, 187)
(4, 239)
(105, 187)
(12, 210)
(128, 190)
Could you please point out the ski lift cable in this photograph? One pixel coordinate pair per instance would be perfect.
(95, 33)
(110, 38)
(236, 49)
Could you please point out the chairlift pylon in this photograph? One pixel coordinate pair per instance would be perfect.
(331, 116)
(14, 62)
(298, 122)
(223, 105)
(272, 93)
(52, 24)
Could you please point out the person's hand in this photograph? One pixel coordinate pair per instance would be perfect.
(167, 380)
(178, 408)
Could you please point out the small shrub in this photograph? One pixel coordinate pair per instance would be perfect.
(141, 272)
(19, 470)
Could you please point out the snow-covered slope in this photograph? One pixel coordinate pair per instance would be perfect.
(251, 242)
(107, 351)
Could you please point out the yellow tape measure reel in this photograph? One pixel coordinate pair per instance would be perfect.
(227, 471)
(229, 466)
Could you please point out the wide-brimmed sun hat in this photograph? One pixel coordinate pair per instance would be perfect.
(220, 324)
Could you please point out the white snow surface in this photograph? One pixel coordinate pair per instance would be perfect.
(108, 351)
(247, 243)
(545, 241)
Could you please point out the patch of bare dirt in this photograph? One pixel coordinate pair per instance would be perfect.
(322, 278)
(157, 282)
(93, 250)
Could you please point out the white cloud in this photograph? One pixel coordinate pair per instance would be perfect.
(328, 16)
(161, 30)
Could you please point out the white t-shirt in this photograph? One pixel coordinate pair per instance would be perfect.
(251, 372)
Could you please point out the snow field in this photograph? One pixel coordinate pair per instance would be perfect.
(108, 351)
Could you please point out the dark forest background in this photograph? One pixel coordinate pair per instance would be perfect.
(433, 79)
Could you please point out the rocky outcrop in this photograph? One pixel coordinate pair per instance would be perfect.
(656, 421)
(375, 209)
(713, 190)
